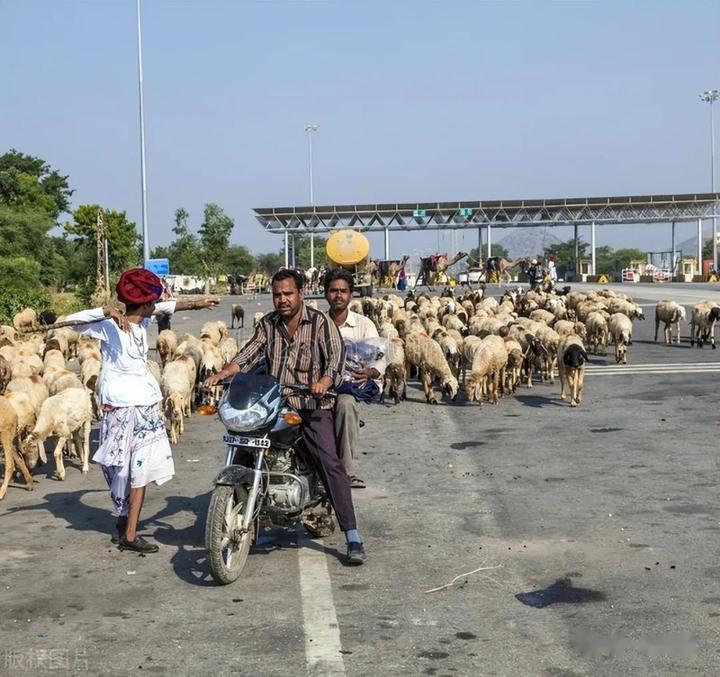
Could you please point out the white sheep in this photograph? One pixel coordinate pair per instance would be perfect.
(177, 385)
(669, 313)
(702, 323)
(67, 415)
(620, 327)
(597, 332)
(212, 363)
(395, 379)
(166, 345)
(89, 375)
(488, 370)
(25, 320)
(425, 354)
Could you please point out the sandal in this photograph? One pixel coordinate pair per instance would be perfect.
(357, 483)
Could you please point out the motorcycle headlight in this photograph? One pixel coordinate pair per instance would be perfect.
(243, 420)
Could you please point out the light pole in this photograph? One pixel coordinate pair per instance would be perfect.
(710, 96)
(310, 129)
(146, 243)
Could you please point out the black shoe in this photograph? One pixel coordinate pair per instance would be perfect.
(138, 545)
(120, 527)
(355, 553)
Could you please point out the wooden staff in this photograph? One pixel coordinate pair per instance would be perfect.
(59, 325)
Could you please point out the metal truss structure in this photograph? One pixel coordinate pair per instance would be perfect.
(495, 213)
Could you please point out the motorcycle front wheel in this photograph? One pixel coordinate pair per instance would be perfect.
(226, 546)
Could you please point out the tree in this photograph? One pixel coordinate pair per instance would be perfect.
(302, 251)
(622, 257)
(215, 237)
(708, 249)
(495, 249)
(238, 260)
(184, 252)
(19, 287)
(29, 182)
(604, 260)
(269, 263)
(122, 237)
(564, 252)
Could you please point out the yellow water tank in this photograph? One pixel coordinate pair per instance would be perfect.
(347, 247)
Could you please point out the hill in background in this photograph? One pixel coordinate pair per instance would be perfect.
(530, 241)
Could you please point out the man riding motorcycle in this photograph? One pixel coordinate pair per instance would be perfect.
(301, 345)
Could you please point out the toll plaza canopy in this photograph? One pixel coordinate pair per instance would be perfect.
(492, 213)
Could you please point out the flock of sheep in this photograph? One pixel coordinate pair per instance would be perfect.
(48, 386)
(493, 345)
(48, 381)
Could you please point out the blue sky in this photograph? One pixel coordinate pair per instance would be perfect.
(416, 101)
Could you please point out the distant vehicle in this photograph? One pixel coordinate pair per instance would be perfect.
(471, 276)
(350, 249)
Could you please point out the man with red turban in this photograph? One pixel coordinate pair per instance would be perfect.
(134, 448)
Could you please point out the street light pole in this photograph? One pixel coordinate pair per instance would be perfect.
(143, 179)
(709, 97)
(310, 129)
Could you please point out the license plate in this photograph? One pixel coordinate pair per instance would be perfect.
(237, 441)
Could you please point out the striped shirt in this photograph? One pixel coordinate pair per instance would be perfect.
(315, 350)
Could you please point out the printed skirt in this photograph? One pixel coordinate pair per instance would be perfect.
(134, 451)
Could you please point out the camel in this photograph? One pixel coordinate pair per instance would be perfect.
(432, 268)
(387, 271)
(501, 270)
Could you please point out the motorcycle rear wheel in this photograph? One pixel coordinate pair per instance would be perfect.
(227, 549)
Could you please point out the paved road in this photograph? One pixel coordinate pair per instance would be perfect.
(595, 529)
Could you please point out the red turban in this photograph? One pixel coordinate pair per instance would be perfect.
(137, 286)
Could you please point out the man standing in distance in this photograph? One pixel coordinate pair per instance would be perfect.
(354, 329)
(302, 346)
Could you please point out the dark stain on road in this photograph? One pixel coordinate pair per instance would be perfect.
(466, 445)
(554, 479)
(354, 586)
(465, 635)
(711, 600)
(434, 655)
(605, 430)
(638, 545)
(560, 592)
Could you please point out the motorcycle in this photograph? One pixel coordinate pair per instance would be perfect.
(268, 479)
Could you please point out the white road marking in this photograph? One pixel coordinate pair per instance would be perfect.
(653, 369)
(322, 632)
(656, 365)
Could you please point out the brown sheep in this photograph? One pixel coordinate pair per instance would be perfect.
(237, 313)
(13, 458)
(5, 374)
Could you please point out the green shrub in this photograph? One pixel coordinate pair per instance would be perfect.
(19, 287)
(66, 303)
(14, 300)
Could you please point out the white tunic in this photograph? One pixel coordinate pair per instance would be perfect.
(124, 378)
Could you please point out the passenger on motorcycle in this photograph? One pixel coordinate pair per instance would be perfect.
(301, 345)
(364, 367)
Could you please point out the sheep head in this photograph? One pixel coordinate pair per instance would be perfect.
(450, 387)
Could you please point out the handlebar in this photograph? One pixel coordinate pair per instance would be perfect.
(290, 386)
(306, 389)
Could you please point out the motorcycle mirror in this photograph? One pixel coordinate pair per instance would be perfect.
(206, 410)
